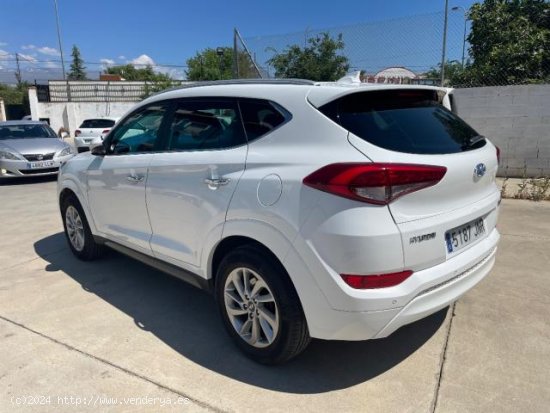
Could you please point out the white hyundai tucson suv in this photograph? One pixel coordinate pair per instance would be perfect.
(339, 212)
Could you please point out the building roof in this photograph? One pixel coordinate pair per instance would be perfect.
(396, 72)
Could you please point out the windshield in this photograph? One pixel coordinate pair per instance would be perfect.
(97, 123)
(410, 121)
(25, 132)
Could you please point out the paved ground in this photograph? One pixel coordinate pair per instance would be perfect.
(118, 329)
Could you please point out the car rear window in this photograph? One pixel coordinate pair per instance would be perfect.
(410, 121)
(97, 123)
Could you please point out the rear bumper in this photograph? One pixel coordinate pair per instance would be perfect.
(87, 143)
(424, 293)
(435, 298)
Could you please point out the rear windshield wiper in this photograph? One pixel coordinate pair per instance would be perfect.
(473, 141)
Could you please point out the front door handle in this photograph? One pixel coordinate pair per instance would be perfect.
(216, 182)
(135, 178)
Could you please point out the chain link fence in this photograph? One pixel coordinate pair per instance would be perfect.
(402, 50)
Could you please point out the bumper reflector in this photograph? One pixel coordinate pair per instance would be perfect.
(364, 282)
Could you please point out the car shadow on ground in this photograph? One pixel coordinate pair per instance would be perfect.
(27, 180)
(187, 320)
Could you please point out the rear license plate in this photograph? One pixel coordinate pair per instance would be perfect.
(87, 140)
(464, 235)
(41, 164)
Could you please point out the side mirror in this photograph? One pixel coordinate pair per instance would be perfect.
(64, 135)
(120, 148)
(99, 150)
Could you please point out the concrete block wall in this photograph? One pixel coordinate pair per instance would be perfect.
(516, 119)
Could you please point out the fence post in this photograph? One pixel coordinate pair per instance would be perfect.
(444, 43)
(235, 56)
(252, 66)
(68, 90)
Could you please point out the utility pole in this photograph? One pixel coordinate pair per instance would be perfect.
(444, 43)
(464, 42)
(59, 38)
(465, 13)
(61, 52)
(18, 73)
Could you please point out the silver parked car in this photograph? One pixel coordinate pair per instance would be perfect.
(30, 148)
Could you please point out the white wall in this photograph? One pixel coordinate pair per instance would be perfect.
(2, 110)
(71, 114)
(516, 119)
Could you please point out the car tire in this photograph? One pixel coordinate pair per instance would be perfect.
(277, 329)
(78, 233)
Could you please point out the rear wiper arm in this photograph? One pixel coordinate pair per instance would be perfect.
(472, 141)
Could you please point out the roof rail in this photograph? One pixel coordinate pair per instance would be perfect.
(241, 82)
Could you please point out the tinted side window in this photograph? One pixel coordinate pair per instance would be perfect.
(410, 121)
(205, 125)
(261, 117)
(139, 132)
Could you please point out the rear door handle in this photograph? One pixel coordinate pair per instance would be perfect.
(216, 181)
(135, 178)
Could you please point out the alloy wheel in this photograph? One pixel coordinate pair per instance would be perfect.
(251, 307)
(75, 228)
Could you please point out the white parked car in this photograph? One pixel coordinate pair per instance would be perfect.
(92, 132)
(308, 210)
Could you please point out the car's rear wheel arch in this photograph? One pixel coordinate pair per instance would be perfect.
(235, 241)
(236, 254)
(232, 242)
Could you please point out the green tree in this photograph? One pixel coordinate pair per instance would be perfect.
(509, 42)
(319, 60)
(454, 73)
(14, 95)
(209, 65)
(78, 70)
(156, 82)
(132, 73)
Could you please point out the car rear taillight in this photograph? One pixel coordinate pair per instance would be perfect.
(105, 131)
(498, 154)
(77, 132)
(365, 282)
(375, 183)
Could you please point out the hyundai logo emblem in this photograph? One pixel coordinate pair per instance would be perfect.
(40, 157)
(480, 170)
